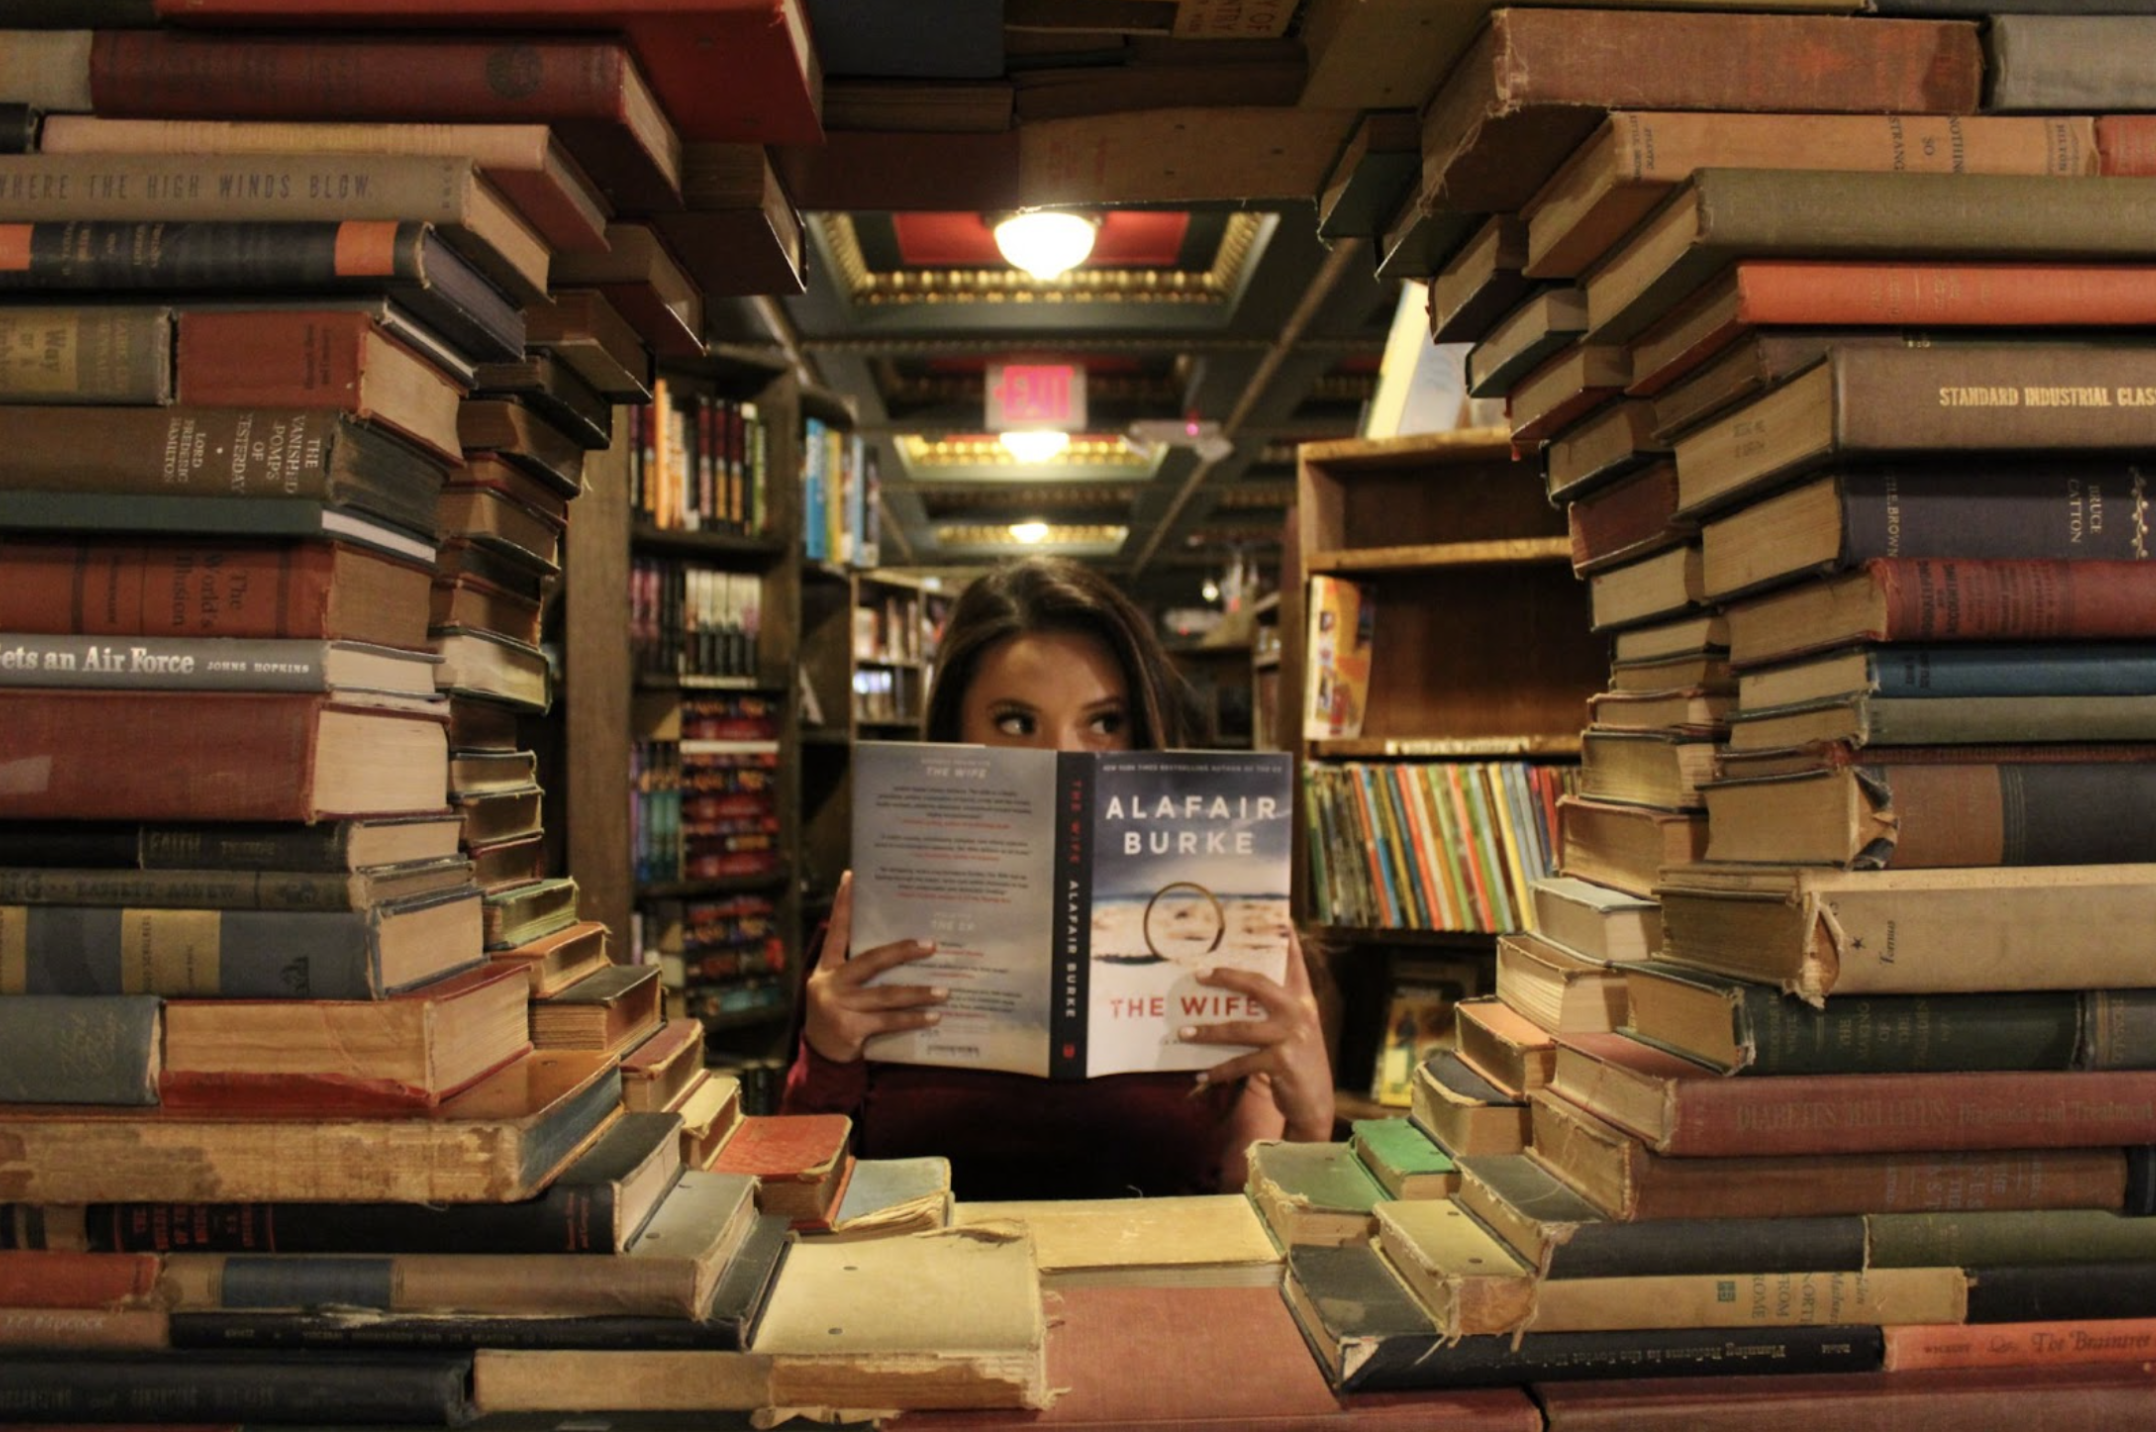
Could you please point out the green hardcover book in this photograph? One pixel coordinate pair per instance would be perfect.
(1972, 1238)
(1312, 1193)
(1403, 1159)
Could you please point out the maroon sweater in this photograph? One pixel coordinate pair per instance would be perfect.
(1013, 1136)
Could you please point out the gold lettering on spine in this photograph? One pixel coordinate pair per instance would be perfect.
(171, 952)
(14, 950)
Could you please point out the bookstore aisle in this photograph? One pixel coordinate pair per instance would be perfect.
(404, 622)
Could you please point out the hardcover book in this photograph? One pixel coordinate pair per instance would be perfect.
(1097, 887)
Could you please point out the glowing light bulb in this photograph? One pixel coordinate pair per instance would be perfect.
(1046, 243)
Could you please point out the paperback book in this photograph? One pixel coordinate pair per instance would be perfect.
(1074, 898)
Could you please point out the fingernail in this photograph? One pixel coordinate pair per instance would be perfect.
(935, 1017)
(1205, 973)
(1199, 1084)
(1189, 1031)
(938, 992)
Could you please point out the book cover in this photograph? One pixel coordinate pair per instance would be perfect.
(1343, 625)
(1094, 887)
(1208, 1240)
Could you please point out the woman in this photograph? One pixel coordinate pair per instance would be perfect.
(1047, 653)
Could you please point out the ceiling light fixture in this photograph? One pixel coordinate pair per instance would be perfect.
(1046, 243)
(1035, 444)
(1029, 532)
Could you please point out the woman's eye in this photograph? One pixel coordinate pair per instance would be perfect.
(1014, 723)
(1109, 723)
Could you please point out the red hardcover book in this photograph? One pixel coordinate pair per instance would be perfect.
(118, 586)
(724, 69)
(1682, 1109)
(800, 1160)
(588, 90)
(2126, 144)
(2052, 1343)
(1981, 1400)
(76, 1279)
(1824, 294)
(326, 359)
(195, 756)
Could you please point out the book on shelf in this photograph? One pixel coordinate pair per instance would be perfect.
(2051, 1342)
(524, 162)
(1371, 1334)
(1471, 1283)
(1899, 599)
(233, 887)
(609, 1011)
(502, 1139)
(1660, 585)
(1817, 931)
(1534, 84)
(2063, 509)
(1181, 866)
(1738, 1026)
(1312, 1192)
(1343, 624)
(1664, 764)
(411, 265)
(1681, 1108)
(589, 91)
(544, 382)
(86, 353)
(293, 954)
(444, 191)
(598, 1203)
(2073, 804)
(1723, 215)
(1560, 1235)
(1596, 922)
(1871, 720)
(1418, 1021)
(1983, 1400)
(131, 755)
(1548, 321)
(2089, 61)
(1877, 401)
(1626, 1180)
(93, 584)
(492, 665)
(426, 1388)
(1887, 293)
(1947, 672)
(1634, 158)
(335, 359)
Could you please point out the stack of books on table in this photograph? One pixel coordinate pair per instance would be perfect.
(1847, 413)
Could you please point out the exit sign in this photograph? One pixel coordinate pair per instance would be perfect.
(1036, 395)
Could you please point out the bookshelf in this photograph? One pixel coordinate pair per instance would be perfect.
(1481, 656)
(1221, 677)
(705, 680)
(1267, 731)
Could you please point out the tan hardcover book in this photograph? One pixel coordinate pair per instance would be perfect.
(1622, 1178)
(1663, 764)
(485, 512)
(1868, 402)
(523, 161)
(1607, 442)
(1503, 1045)
(1636, 158)
(332, 359)
(738, 232)
(659, 1069)
(1696, 633)
(710, 1109)
(1481, 283)
(1685, 671)
(1661, 584)
(1547, 322)
(1817, 931)
(1626, 846)
(1632, 517)
(585, 330)
(86, 353)
(1597, 922)
(1723, 215)
(1199, 1240)
(1560, 990)
(1535, 82)
(554, 962)
(1570, 384)
(609, 1011)
(501, 1139)
(1463, 1112)
(525, 438)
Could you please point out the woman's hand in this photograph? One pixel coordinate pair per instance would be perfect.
(843, 1010)
(1289, 1065)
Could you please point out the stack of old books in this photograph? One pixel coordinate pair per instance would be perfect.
(303, 1045)
(1848, 413)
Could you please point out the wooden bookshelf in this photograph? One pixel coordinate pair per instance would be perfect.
(1482, 652)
